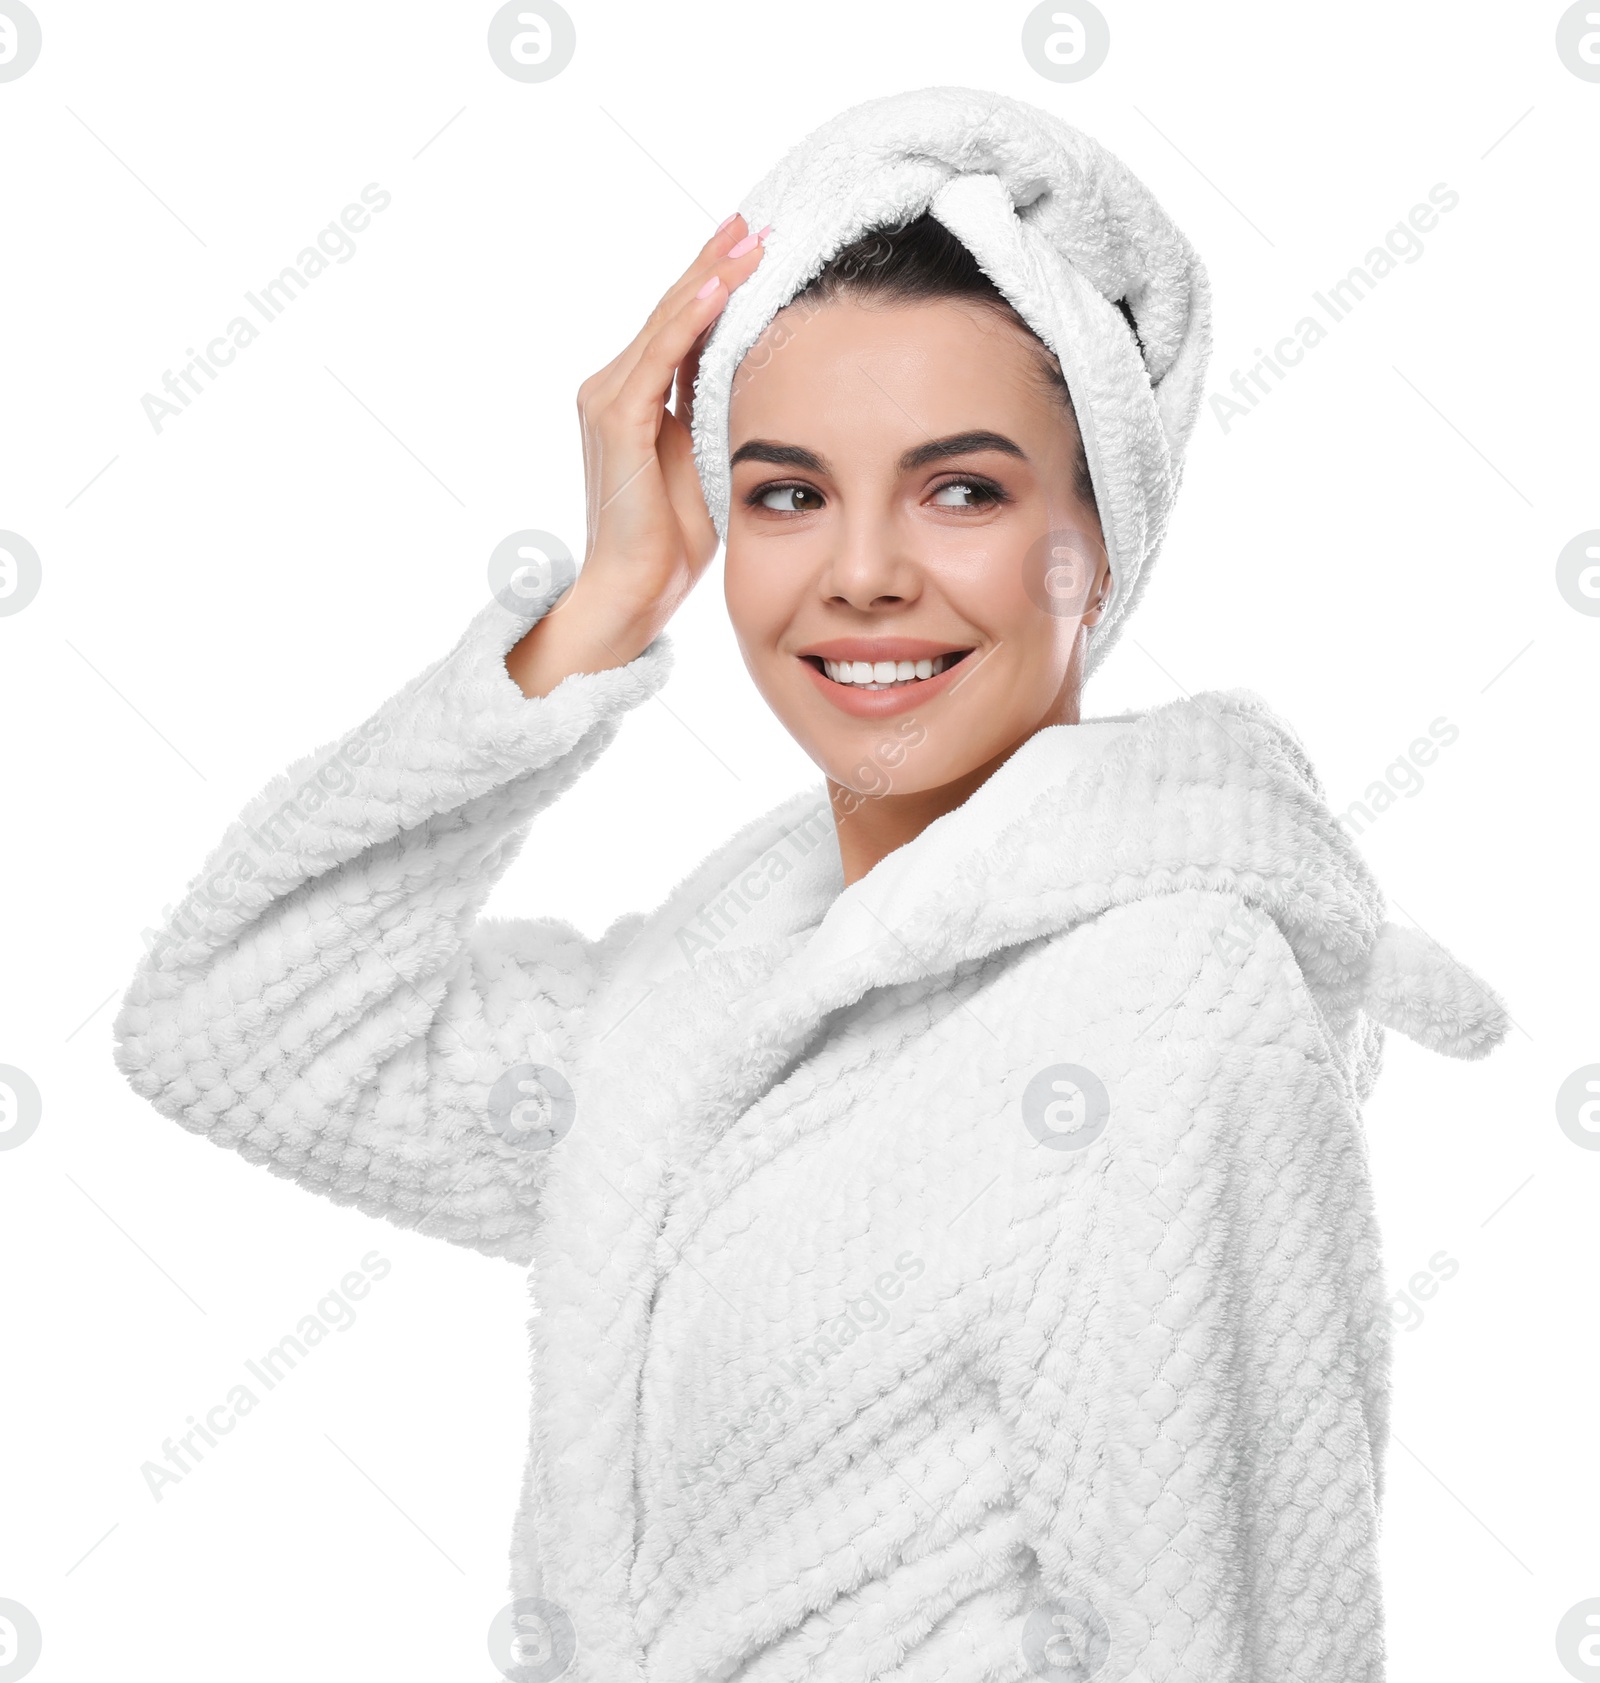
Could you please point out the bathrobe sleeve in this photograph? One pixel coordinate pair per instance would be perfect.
(326, 1000)
(1202, 1412)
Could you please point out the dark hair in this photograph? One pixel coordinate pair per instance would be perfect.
(921, 259)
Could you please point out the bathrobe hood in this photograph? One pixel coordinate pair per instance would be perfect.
(735, 973)
(1213, 790)
(1065, 232)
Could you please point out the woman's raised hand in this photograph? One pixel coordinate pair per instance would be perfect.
(650, 534)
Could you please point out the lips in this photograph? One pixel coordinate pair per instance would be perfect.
(900, 675)
(868, 673)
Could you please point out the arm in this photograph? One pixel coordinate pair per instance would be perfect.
(326, 1003)
(1199, 1400)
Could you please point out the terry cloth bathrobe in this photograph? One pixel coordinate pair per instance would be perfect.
(969, 1274)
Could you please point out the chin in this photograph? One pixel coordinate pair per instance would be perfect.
(905, 756)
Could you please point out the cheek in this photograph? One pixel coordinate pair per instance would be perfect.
(760, 595)
(984, 578)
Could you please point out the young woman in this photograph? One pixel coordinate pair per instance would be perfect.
(948, 1212)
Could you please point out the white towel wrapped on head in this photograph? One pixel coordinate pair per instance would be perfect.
(1062, 228)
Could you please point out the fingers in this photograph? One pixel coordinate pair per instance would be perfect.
(640, 397)
(681, 336)
(714, 257)
(675, 451)
(721, 240)
(624, 435)
(689, 368)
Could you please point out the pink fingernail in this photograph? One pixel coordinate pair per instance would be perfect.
(724, 222)
(748, 243)
(706, 290)
(764, 232)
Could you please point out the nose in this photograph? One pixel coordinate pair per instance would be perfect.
(872, 564)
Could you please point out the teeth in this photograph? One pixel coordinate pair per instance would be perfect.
(884, 674)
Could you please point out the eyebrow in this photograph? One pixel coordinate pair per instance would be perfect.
(920, 455)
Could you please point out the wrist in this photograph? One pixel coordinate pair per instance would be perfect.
(578, 635)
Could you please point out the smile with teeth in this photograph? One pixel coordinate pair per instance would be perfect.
(888, 674)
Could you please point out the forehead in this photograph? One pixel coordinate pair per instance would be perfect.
(856, 366)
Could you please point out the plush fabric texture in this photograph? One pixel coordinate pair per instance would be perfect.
(1062, 228)
(969, 1274)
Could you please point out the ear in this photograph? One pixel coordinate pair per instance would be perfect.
(1099, 591)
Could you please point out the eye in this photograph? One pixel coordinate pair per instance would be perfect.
(969, 493)
(786, 499)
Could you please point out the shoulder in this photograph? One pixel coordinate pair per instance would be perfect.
(1197, 967)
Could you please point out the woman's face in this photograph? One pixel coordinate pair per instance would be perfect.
(903, 492)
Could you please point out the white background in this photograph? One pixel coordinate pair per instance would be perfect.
(1371, 548)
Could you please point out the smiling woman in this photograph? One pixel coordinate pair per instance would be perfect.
(929, 439)
(1078, 1015)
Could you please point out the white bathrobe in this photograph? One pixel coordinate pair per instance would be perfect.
(970, 1274)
